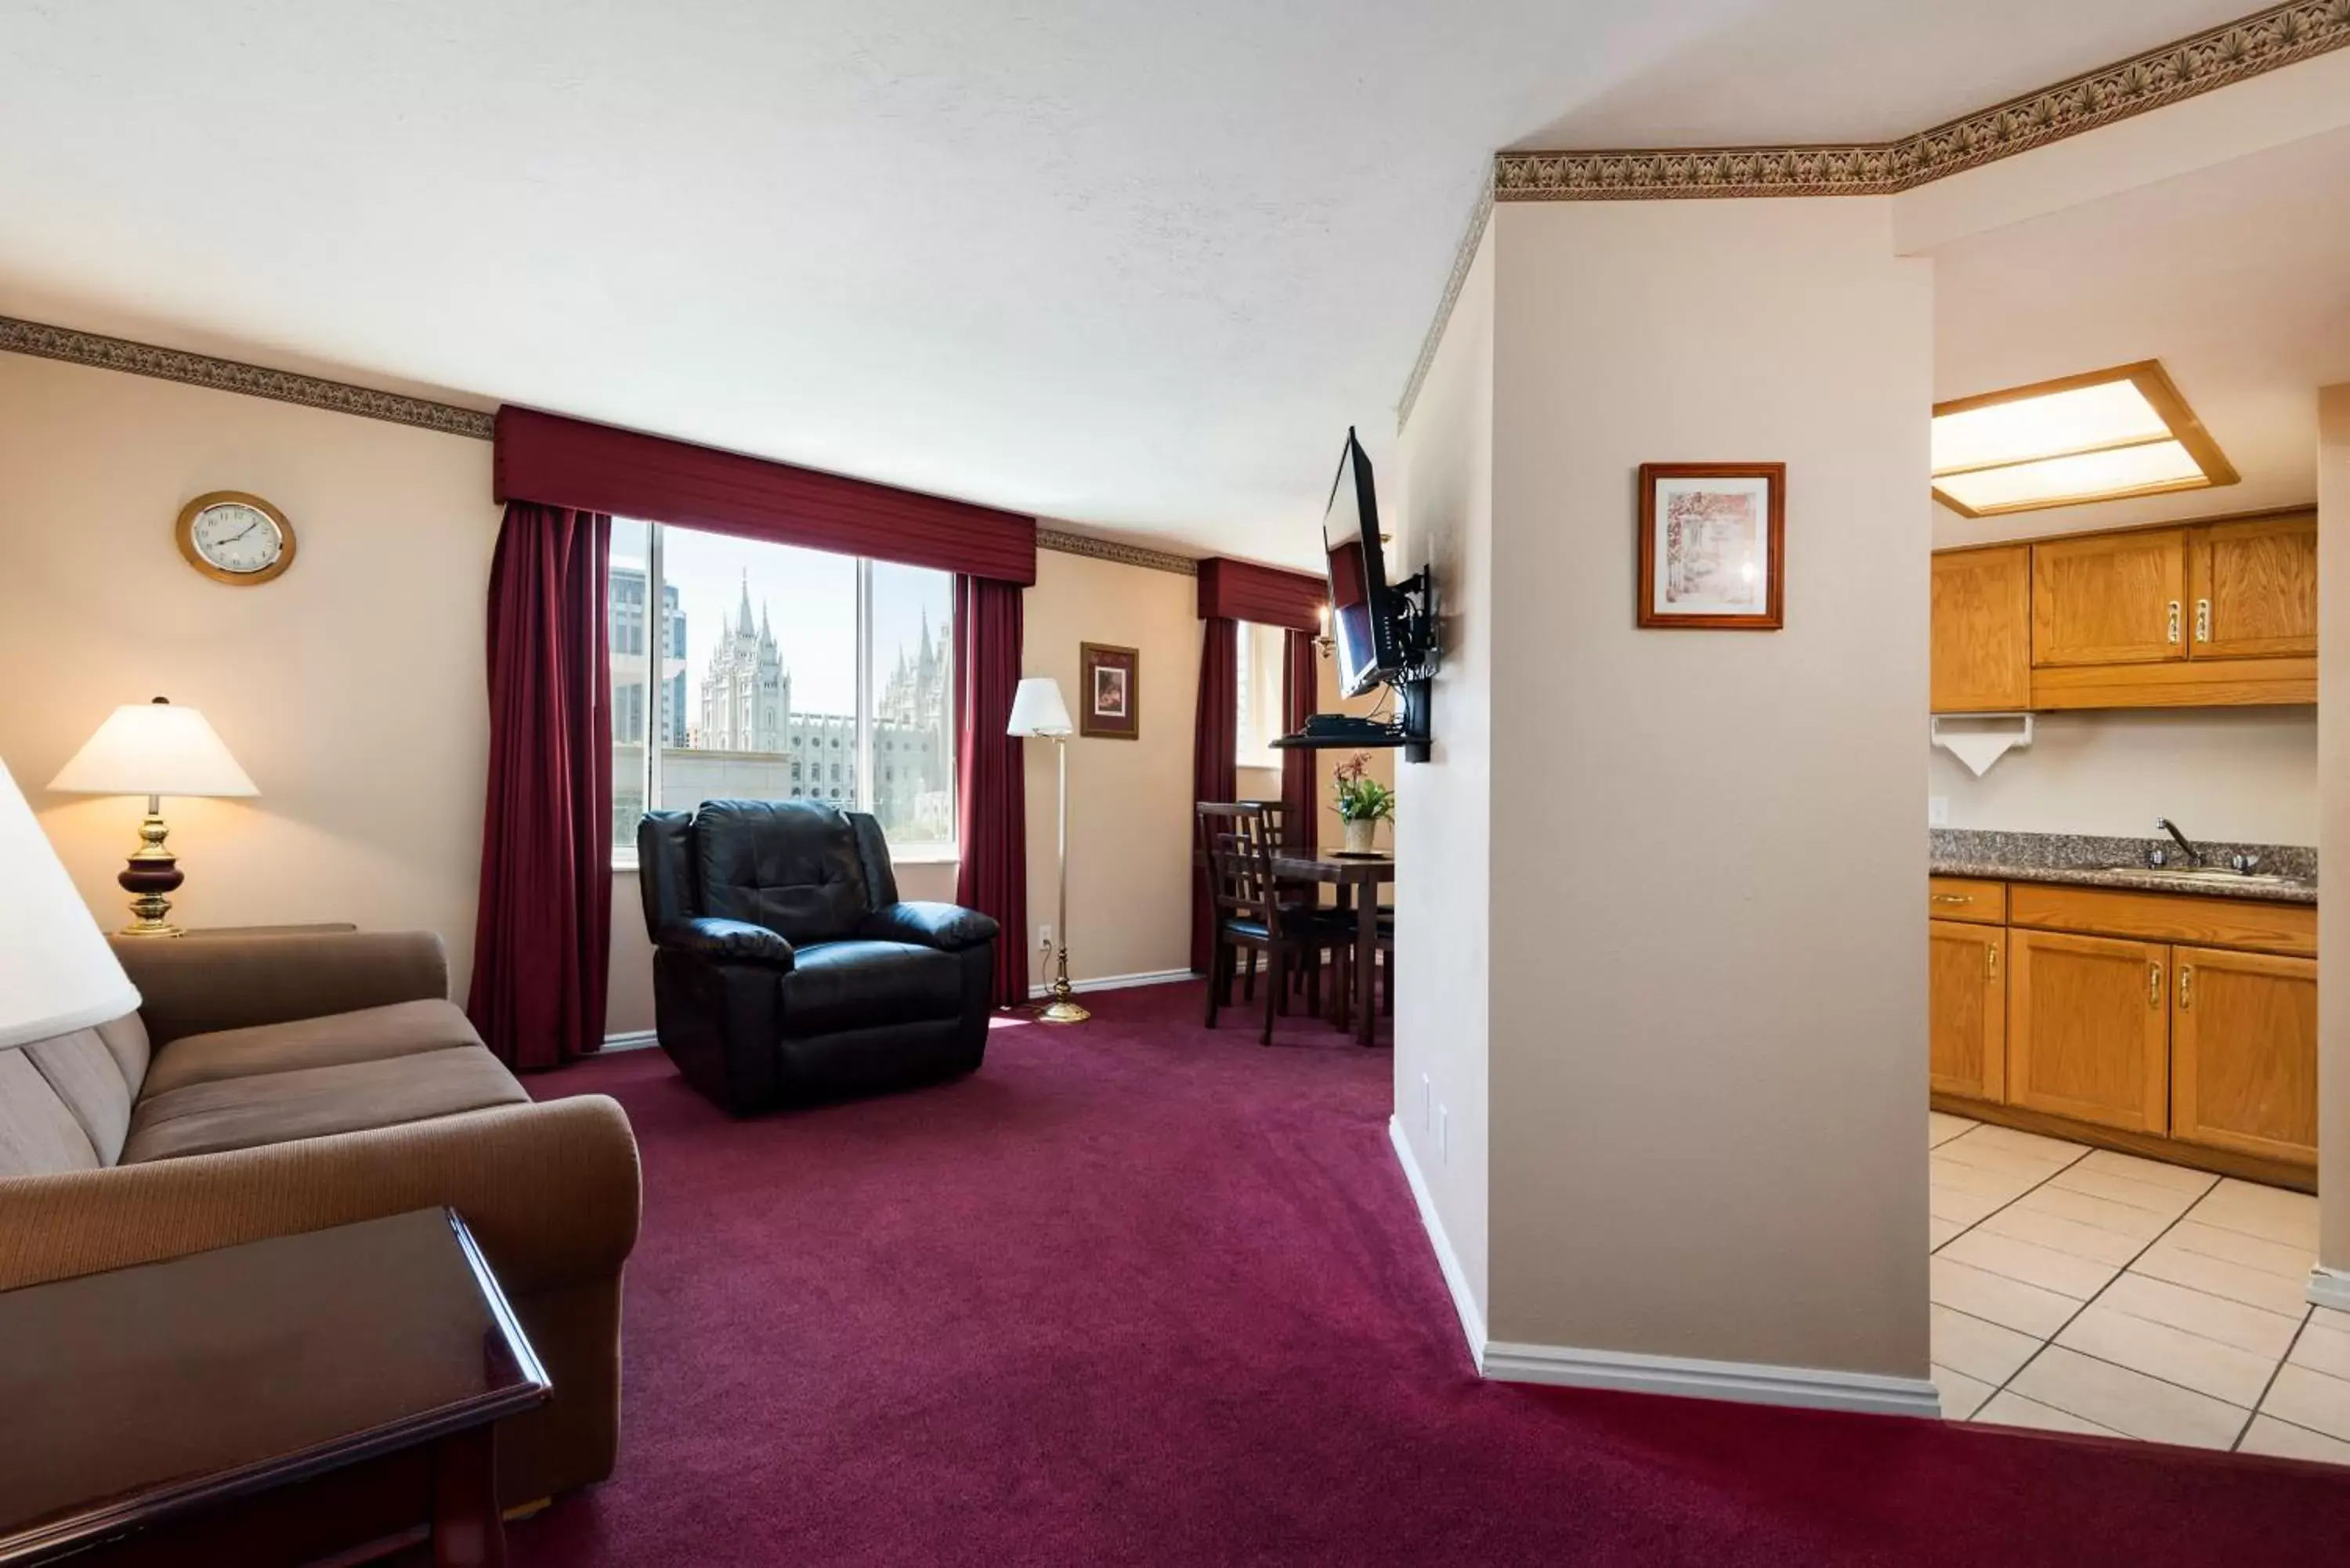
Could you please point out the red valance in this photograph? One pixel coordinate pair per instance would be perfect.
(1242, 590)
(559, 462)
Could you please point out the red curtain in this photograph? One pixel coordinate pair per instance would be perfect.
(1212, 739)
(544, 930)
(991, 792)
(1298, 694)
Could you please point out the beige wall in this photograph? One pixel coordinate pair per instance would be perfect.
(1708, 1001)
(2248, 774)
(1444, 884)
(2333, 827)
(1129, 800)
(351, 688)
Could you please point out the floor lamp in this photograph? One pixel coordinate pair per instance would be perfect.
(1038, 710)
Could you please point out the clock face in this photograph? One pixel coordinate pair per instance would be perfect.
(238, 538)
(232, 538)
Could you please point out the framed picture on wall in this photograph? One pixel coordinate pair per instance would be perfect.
(1110, 702)
(1711, 555)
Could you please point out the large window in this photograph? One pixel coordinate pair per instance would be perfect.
(777, 673)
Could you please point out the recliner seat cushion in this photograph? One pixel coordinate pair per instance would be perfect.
(791, 865)
(866, 985)
(367, 1035)
(316, 1101)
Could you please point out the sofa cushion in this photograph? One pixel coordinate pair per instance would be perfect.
(368, 1035)
(314, 1101)
(38, 1134)
(863, 985)
(792, 866)
(88, 1078)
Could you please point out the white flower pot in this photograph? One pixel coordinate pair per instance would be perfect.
(1362, 835)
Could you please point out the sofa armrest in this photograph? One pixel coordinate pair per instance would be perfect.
(201, 984)
(948, 926)
(728, 941)
(550, 1191)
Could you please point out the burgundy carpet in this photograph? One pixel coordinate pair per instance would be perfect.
(1142, 1293)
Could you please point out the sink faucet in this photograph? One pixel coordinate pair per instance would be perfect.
(2158, 855)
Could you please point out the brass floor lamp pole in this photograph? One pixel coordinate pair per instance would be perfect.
(1062, 1009)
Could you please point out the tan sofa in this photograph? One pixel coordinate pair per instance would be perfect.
(270, 1084)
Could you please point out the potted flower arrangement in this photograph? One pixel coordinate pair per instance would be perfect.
(1363, 803)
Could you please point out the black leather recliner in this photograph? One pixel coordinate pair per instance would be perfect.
(787, 971)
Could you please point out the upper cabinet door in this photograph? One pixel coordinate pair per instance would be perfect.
(2109, 598)
(1982, 630)
(2254, 585)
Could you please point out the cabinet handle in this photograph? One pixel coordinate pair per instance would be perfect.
(2174, 620)
(2186, 986)
(2154, 985)
(1952, 897)
(1991, 960)
(2202, 620)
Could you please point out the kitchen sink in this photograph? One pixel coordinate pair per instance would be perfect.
(2207, 874)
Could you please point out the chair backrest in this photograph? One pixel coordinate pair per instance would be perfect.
(1239, 847)
(799, 867)
(1276, 818)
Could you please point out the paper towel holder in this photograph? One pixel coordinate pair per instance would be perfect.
(1979, 748)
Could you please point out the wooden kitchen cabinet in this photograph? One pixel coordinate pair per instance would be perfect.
(2109, 598)
(1966, 1009)
(1981, 621)
(2089, 1028)
(2243, 1053)
(2253, 585)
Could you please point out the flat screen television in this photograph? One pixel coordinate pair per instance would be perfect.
(1365, 618)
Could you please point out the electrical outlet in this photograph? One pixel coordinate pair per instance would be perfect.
(1444, 1136)
(1427, 1103)
(1938, 811)
(1044, 936)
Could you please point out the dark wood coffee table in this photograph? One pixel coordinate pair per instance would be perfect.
(325, 1397)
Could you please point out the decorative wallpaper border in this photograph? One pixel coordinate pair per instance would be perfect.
(1125, 555)
(46, 342)
(230, 376)
(2232, 52)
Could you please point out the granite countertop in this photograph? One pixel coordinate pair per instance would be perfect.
(2087, 862)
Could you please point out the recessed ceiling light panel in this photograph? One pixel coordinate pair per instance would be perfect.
(2104, 436)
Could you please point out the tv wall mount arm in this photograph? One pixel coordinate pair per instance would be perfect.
(1410, 731)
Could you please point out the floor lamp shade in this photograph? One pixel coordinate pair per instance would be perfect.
(1037, 709)
(57, 973)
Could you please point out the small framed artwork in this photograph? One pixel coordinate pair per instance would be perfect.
(1111, 703)
(1711, 545)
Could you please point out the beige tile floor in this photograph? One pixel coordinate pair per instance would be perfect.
(2083, 1291)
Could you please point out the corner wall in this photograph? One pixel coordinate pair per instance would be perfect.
(2334, 835)
(1707, 1055)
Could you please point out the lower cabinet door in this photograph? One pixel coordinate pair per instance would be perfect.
(1966, 1052)
(2243, 1053)
(2089, 1027)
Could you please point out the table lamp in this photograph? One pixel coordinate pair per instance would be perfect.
(1038, 710)
(153, 749)
(57, 973)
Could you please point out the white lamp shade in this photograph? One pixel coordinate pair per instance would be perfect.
(154, 748)
(1037, 709)
(57, 973)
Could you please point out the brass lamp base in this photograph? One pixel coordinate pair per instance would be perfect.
(152, 872)
(1061, 1009)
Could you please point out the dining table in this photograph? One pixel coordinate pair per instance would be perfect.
(1357, 879)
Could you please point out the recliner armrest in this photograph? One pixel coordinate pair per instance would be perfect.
(948, 926)
(728, 941)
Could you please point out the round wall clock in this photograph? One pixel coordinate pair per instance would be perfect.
(232, 538)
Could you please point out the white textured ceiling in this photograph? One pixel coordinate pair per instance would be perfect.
(2237, 277)
(1133, 265)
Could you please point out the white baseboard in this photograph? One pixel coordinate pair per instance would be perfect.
(2329, 1288)
(1745, 1382)
(634, 1040)
(1456, 1278)
(1116, 982)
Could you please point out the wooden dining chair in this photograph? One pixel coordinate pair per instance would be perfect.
(1295, 896)
(1249, 915)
